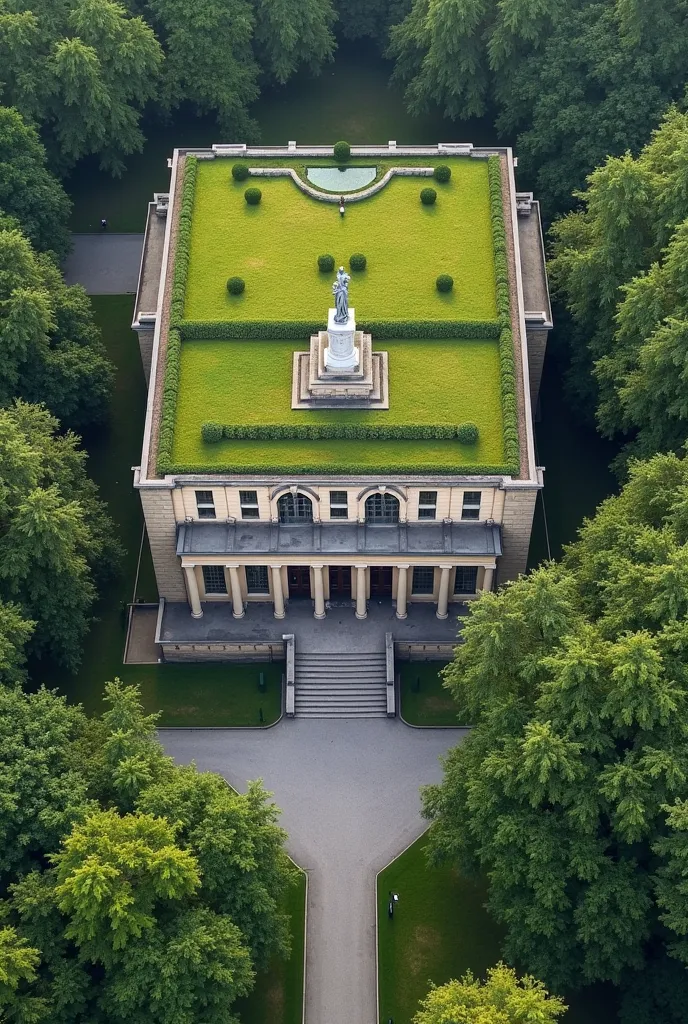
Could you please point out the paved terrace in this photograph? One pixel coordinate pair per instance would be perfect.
(339, 631)
(105, 264)
(349, 796)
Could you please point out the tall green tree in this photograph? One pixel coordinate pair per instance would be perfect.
(502, 999)
(28, 191)
(82, 70)
(50, 346)
(568, 792)
(620, 265)
(288, 35)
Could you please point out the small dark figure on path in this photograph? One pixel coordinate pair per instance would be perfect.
(103, 223)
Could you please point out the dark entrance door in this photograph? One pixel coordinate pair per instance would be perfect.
(340, 582)
(299, 577)
(380, 581)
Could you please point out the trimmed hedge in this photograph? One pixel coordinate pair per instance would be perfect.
(442, 173)
(170, 393)
(466, 433)
(357, 261)
(444, 283)
(253, 196)
(428, 196)
(387, 469)
(301, 330)
(341, 152)
(240, 172)
(236, 285)
(182, 251)
(326, 263)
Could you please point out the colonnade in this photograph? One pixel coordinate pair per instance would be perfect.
(318, 595)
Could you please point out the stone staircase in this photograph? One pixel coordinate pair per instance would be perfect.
(340, 685)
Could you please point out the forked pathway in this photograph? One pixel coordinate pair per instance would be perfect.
(349, 795)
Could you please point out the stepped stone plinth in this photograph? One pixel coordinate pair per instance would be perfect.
(340, 370)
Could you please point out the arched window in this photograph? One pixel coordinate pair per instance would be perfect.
(382, 509)
(295, 508)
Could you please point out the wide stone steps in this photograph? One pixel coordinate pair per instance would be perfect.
(340, 685)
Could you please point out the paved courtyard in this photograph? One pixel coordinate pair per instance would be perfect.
(349, 795)
(105, 264)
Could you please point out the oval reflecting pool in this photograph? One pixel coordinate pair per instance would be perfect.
(349, 179)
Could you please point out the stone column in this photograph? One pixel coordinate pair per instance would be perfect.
(361, 606)
(319, 594)
(277, 592)
(192, 590)
(488, 577)
(402, 591)
(237, 599)
(443, 600)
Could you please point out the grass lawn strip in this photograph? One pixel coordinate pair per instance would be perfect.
(275, 246)
(424, 701)
(433, 382)
(278, 994)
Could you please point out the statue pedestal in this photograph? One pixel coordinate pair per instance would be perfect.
(341, 354)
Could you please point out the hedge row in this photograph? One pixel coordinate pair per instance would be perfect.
(183, 247)
(212, 432)
(507, 372)
(429, 468)
(301, 330)
(170, 393)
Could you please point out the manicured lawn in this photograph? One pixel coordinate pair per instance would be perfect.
(439, 931)
(275, 246)
(278, 995)
(432, 382)
(424, 701)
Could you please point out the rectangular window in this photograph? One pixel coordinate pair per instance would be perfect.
(471, 505)
(257, 579)
(339, 505)
(423, 579)
(466, 579)
(249, 504)
(205, 504)
(427, 504)
(214, 579)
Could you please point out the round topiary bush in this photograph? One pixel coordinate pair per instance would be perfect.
(342, 152)
(253, 196)
(236, 285)
(467, 433)
(357, 261)
(326, 263)
(444, 283)
(211, 432)
(428, 196)
(442, 173)
(240, 172)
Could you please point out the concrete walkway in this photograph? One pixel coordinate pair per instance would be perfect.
(105, 264)
(349, 795)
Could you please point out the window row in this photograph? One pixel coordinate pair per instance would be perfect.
(422, 581)
(381, 509)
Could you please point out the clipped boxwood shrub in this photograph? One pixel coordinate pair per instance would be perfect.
(442, 173)
(296, 330)
(240, 172)
(428, 196)
(326, 263)
(236, 285)
(212, 432)
(467, 433)
(342, 152)
(253, 196)
(444, 283)
(357, 261)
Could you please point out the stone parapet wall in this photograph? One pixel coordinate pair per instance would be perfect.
(161, 526)
(517, 522)
(223, 652)
(537, 346)
(417, 651)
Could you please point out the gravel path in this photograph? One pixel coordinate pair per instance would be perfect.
(349, 795)
(105, 264)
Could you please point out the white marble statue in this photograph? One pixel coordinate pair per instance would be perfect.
(340, 289)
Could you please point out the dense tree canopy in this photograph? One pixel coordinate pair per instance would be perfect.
(55, 537)
(50, 348)
(574, 81)
(138, 891)
(570, 791)
(28, 191)
(502, 999)
(621, 265)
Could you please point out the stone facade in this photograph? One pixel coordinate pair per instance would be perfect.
(517, 523)
(161, 526)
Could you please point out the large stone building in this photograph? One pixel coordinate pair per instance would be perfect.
(243, 522)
